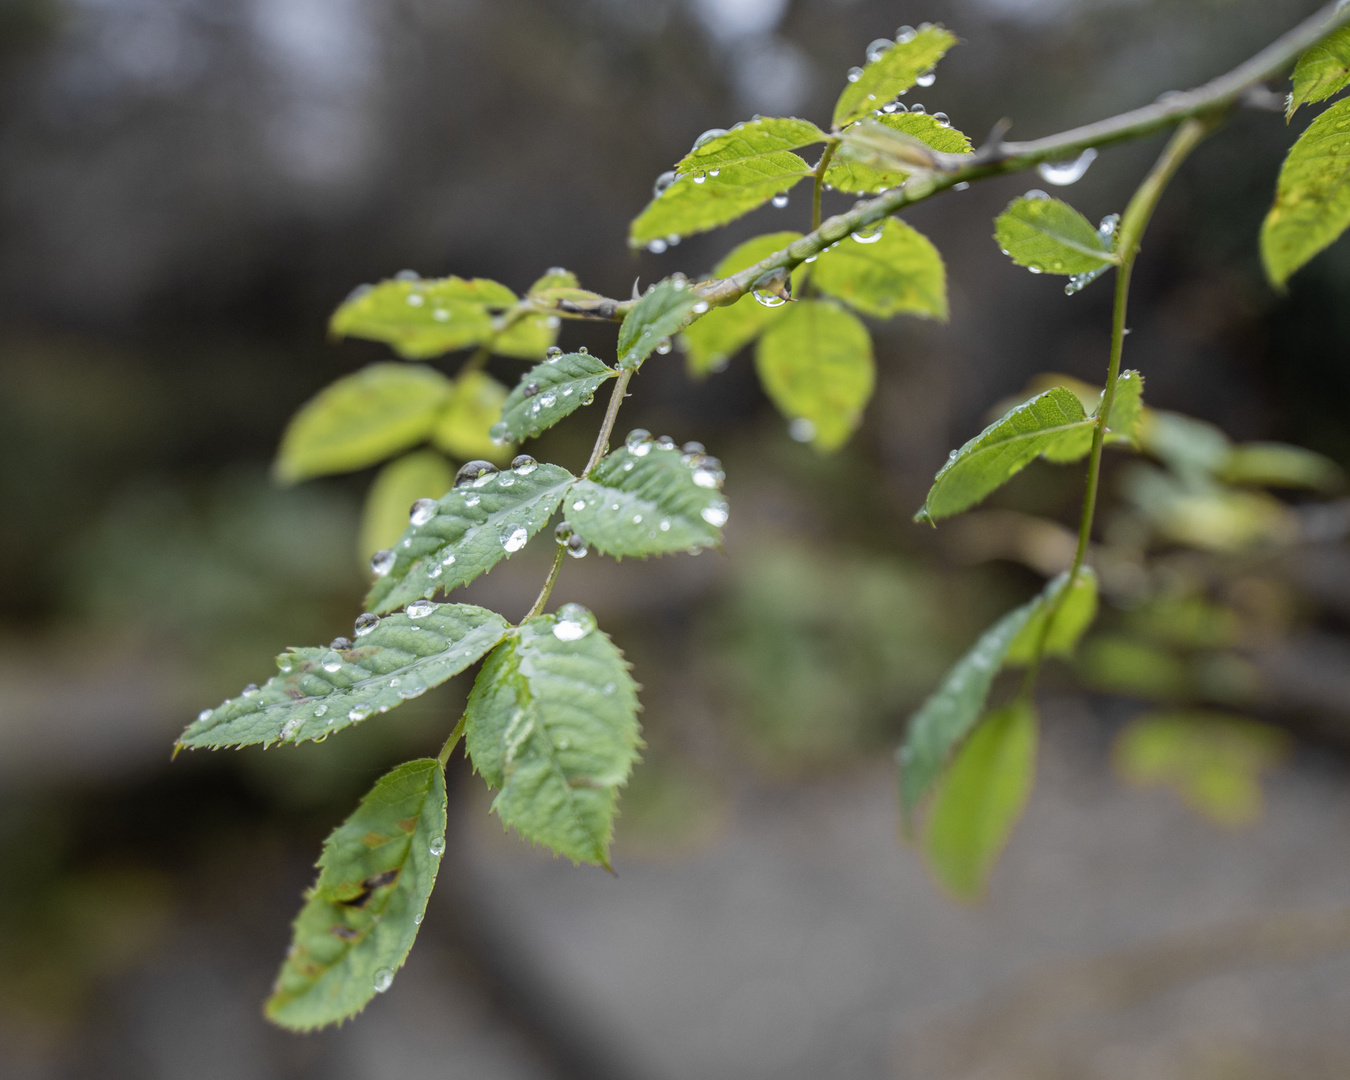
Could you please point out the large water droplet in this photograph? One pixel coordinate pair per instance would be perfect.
(715, 516)
(639, 442)
(384, 979)
(359, 713)
(365, 623)
(917, 107)
(1036, 195)
(708, 136)
(573, 623)
(576, 547)
(662, 182)
(420, 609)
(514, 539)
(437, 846)
(658, 246)
(868, 235)
(529, 390)
(854, 74)
(523, 464)
(904, 34)
(780, 200)
(473, 470)
(768, 299)
(382, 562)
(497, 433)
(928, 78)
(1063, 173)
(548, 399)
(801, 430)
(877, 48)
(699, 178)
(705, 477)
(552, 353)
(663, 346)
(423, 510)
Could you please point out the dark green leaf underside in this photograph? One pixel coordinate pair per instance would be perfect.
(663, 311)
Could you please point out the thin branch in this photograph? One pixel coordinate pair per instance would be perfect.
(444, 756)
(537, 608)
(607, 425)
(818, 181)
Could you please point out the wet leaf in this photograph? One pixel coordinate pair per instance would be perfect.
(1323, 70)
(748, 141)
(423, 317)
(1050, 236)
(663, 311)
(897, 272)
(550, 391)
(857, 175)
(1312, 196)
(896, 70)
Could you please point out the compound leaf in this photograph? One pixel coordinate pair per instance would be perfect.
(891, 73)
(423, 317)
(362, 419)
(713, 339)
(980, 799)
(1312, 196)
(360, 918)
(474, 406)
(1050, 236)
(1001, 450)
(1323, 70)
(467, 533)
(859, 177)
(550, 391)
(664, 309)
(815, 363)
(423, 474)
(323, 690)
(694, 204)
(896, 270)
(552, 725)
(748, 141)
(649, 499)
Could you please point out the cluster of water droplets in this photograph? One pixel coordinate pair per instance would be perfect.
(1107, 231)
(571, 541)
(1063, 173)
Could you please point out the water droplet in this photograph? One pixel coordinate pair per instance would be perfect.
(1107, 228)
(699, 178)
(290, 727)
(449, 560)
(658, 246)
(441, 315)
(420, 609)
(700, 307)
(662, 183)
(705, 477)
(384, 979)
(869, 235)
(663, 346)
(904, 35)
(203, 716)
(497, 433)
(359, 713)
(365, 623)
(576, 547)
(665, 442)
(928, 78)
(801, 430)
(941, 118)
(1063, 173)
(877, 48)
(780, 200)
(768, 299)
(964, 185)
(417, 919)
(523, 464)
(515, 539)
(552, 353)
(339, 643)
(715, 516)
(854, 74)
(1035, 195)
(639, 442)
(580, 504)
(437, 846)
(423, 510)
(382, 562)
(708, 136)
(416, 299)
(529, 390)
(473, 470)
(548, 399)
(918, 108)
(407, 275)
(320, 709)
(573, 623)
(473, 499)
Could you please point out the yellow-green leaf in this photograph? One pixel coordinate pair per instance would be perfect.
(361, 420)
(475, 405)
(423, 317)
(815, 363)
(423, 474)
(747, 141)
(862, 177)
(1075, 614)
(1049, 236)
(891, 73)
(894, 271)
(1323, 70)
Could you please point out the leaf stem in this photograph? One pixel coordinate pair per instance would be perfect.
(1132, 225)
(444, 756)
(537, 608)
(819, 182)
(607, 425)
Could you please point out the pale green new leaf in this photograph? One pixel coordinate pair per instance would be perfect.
(894, 71)
(1281, 465)
(1312, 196)
(361, 917)
(980, 799)
(815, 363)
(529, 337)
(1323, 70)
(423, 474)
(1127, 408)
(423, 317)
(323, 690)
(362, 419)
(950, 713)
(713, 339)
(898, 271)
(552, 725)
(463, 426)
(749, 140)
(1002, 450)
(664, 310)
(1076, 613)
(859, 177)
(690, 205)
(550, 391)
(1050, 236)
(473, 528)
(646, 499)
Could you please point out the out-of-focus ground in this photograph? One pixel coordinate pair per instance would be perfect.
(187, 189)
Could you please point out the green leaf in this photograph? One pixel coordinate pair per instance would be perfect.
(1281, 465)
(664, 310)
(1323, 70)
(1002, 450)
(423, 474)
(323, 690)
(1123, 428)
(815, 363)
(1075, 615)
(550, 391)
(713, 339)
(690, 205)
(894, 271)
(473, 408)
(529, 337)
(552, 725)
(649, 499)
(361, 917)
(472, 528)
(1312, 196)
(949, 714)
(750, 140)
(1212, 760)
(362, 419)
(859, 177)
(893, 72)
(980, 799)
(1046, 235)
(423, 317)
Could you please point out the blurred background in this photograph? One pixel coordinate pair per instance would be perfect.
(189, 187)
